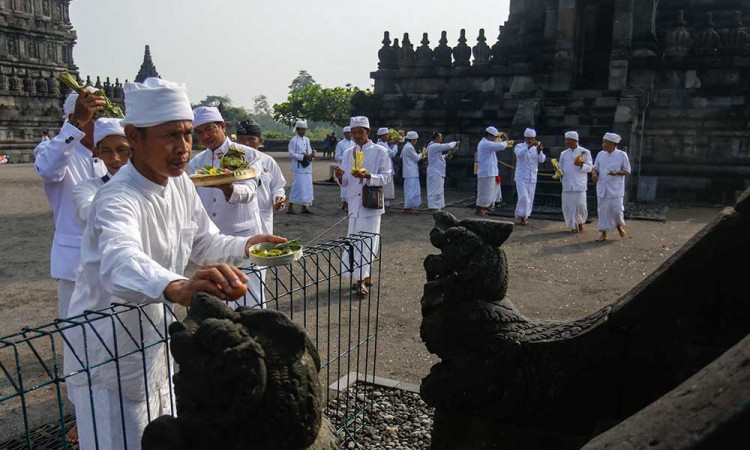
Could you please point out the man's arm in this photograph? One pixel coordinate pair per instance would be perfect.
(384, 172)
(52, 157)
(294, 151)
(83, 197)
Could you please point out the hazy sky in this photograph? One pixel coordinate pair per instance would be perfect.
(252, 47)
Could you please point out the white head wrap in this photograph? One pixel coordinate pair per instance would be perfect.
(347, 129)
(70, 102)
(206, 114)
(301, 124)
(493, 131)
(530, 133)
(412, 135)
(382, 131)
(107, 127)
(155, 101)
(571, 135)
(359, 121)
(612, 137)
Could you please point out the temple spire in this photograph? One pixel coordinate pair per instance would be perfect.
(148, 69)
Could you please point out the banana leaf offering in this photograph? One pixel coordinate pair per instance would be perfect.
(110, 109)
(278, 250)
(234, 159)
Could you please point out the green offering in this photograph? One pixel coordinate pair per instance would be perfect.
(234, 159)
(279, 250)
(110, 109)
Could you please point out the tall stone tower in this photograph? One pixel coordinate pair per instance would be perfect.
(36, 44)
(148, 69)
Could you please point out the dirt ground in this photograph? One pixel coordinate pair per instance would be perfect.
(553, 274)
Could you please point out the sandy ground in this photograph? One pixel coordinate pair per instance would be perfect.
(553, 274)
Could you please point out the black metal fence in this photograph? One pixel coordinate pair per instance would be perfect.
(315, 291)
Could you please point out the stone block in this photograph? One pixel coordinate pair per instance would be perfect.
(624, 114)
(691, 80)
(522, 84)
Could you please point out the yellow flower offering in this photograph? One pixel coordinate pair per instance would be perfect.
(359, 159)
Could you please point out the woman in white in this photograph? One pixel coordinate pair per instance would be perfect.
(610, 169)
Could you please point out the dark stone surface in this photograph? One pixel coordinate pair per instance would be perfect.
(507, 381)
(247, 379)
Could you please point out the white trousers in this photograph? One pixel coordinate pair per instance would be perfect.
(435, 191)
(610, 213)
(103, 420)
(365, 250)
(302, 189)
(487, 189)
(64, 293)
(574, 208)
(526, 191)
(412, 193)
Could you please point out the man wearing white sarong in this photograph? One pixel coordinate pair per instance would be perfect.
(410, 167)
(488, 182)
(302, 154)
(528, 157)
(377, 165)
(62, 162)
(436, 156)
(389, 190)
(233, 207)
(270, 192)
(576, 164)
(343, 145)
(143, 228)
(610, 169)
(114, 151)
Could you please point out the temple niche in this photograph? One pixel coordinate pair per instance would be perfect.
(672, 77)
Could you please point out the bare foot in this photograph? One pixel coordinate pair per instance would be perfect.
(581, 229)
(72, 435)
(524, 222)
(622, 231)
(602, 238)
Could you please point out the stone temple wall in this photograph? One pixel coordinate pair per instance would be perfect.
(669, 78)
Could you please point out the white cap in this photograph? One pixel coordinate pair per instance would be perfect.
(359, 121)
(206, 114)
(612, 137)
(382, 131)
(493, 131)
(412, 135)
(571, 135)
(301, 124)
(107, 127)
(347, 129)
(70, 103)
(155, 101)
(530, 133)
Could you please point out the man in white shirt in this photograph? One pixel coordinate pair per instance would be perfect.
(343, 145)
(576, 164)
(610, 169)
(232, 207)
(410, 169)
(436, 157)
(389, 190)
(377, 173)
(302, 154)
(487, 171)
(528, 157)
(270, 192)
(145, 225)
(114, 151)
(62, 162)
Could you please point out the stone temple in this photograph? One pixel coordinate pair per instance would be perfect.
(671, 76)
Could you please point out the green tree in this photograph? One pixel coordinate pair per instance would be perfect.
(329, 105)
(261, 106)
(302, 81)
(231, 114)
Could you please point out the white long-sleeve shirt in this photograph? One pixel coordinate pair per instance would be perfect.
(575, 179)
(62, 162)
(299, 147)
(138, 239)
(241, 214)
(436, 158)
(487, 157)
(84, 193)
(378, 164)
(527, 162)
(341, 147)
(410, 161)
(611, 186)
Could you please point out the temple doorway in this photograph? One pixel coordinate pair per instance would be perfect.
(596, 21)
